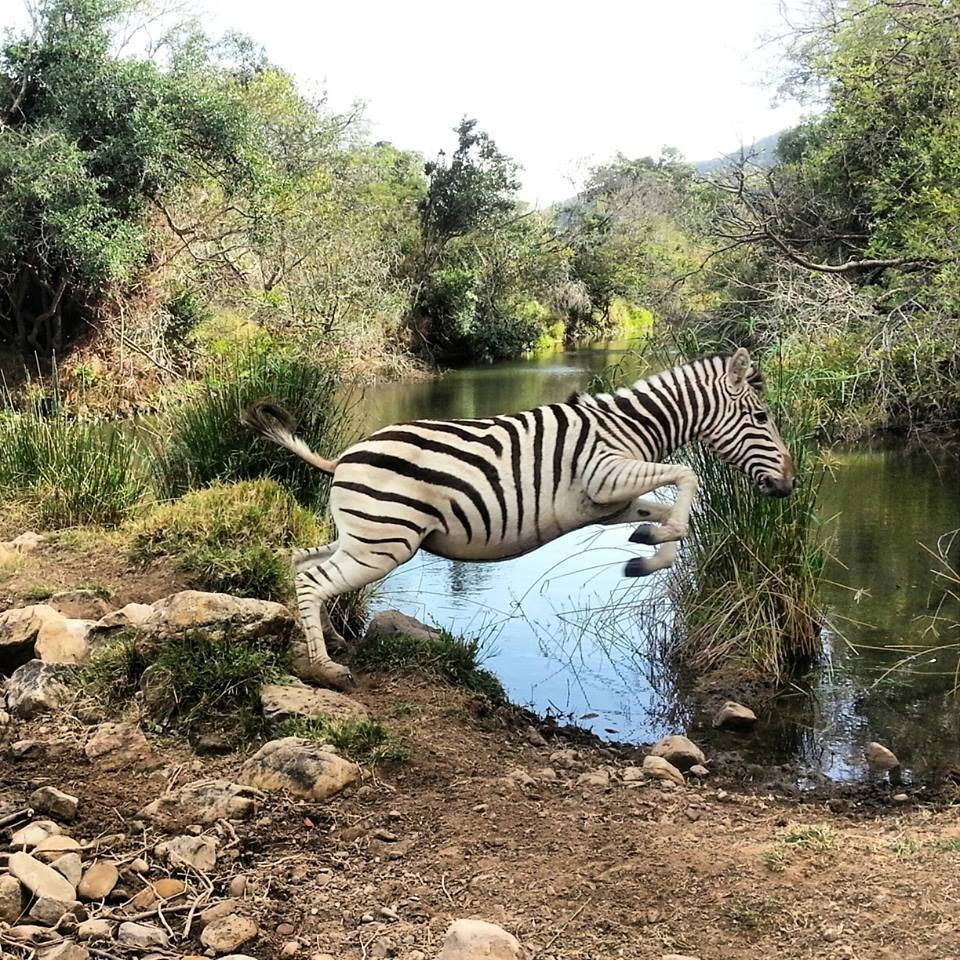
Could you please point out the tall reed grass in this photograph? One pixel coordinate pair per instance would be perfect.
(202, 442)
(68, 472)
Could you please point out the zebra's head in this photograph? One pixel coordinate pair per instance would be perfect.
(742, 431)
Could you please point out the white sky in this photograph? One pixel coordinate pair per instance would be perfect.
(557, 84)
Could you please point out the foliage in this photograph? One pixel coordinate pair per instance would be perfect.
(211, 683)
(233, 538)
(454, 659)
(68, 472)
(358, 738)
(201, 441)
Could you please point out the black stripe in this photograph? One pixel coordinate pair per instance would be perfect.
(399, 521)
(462, 517)
(514, 434)
(383, 553)
(379, 540)
(391, 497)
(413, 471)
(537, 465)
(561, 417)
(585, 426)
(444, 426)
(490, 472)
(355, 560)
(661, 437)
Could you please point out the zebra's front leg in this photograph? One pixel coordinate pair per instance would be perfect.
(622, 478)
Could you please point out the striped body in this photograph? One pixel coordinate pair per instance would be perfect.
(493, 488)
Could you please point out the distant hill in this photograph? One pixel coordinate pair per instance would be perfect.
(764, 154)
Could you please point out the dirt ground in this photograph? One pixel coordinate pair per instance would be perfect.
(492, 819)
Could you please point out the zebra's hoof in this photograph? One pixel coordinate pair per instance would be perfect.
(638, 567)
(328, 674)
(644, 534)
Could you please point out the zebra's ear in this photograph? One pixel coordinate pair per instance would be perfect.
(738, 370)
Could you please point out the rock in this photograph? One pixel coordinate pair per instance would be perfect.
(594, 778)
(26, 542)
(37, 688)
(300, 767)
(479, 940)
(662, 770)
(167, 888)
(98, 881)
(33, 833)
(197, 852)
(70, 866)
(11, 899)
(227, 933)
(217, 614)
(132, 615)
(206, 801)
(19, 628)
(31, 933)
(393, 623)
(734, 716)
(50, 910)
(115, 746)
(564, 758)
(41, 880)
(699, 771)
(50, 848)
(298, 700)
(678, 750)
(238, 886)
(143, 935)
(631, 774)
(63, 641)
(678, 956)
(218, 911)
(291, 948)
(54, 801)
(67, 950)
(96, 929)
(900, 798)
(880, 757)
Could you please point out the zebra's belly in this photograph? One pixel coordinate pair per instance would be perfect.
(456, 548)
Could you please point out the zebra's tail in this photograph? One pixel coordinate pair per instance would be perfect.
(277, 425)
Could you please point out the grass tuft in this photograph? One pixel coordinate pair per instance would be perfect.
(358, 738)
(454, 659)
(203, 441)
(232, 538)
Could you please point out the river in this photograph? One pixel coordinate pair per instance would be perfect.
(560, 624)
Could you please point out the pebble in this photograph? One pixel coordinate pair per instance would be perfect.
(139, 865)
(238, 886)
(54, 847)
(166, 888)
(70, 866)
(285, 929)
(96, 929)
(142, 935)
(98, 881)
(41, 880)
(197, 852)
(54, 801)
(290, 949)
(227, 933)
(699, 771)
(67, 950)
(219, 910)
(900, 798)
(50, 910)
(33, 833)
(11, 897)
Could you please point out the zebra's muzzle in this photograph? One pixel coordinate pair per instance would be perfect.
(777, 486)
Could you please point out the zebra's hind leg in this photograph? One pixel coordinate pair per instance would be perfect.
(304, 559)
(340, 570)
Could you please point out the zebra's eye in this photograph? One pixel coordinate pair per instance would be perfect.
(761, 416)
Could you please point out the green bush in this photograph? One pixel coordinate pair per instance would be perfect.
(232, 538)
(69, 472)
(358, 738)
(454, 659)
(203, 442)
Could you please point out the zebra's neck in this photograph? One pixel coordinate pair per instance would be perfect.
(664, 412)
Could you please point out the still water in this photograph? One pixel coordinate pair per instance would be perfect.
(561, 624)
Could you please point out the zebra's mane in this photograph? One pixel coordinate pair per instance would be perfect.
(754, 378)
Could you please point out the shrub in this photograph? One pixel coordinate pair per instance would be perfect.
(69, 472)
(205, 443)
(231, 537)
(358, 738)
(454, 659)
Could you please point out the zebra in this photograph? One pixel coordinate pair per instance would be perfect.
(499, 487)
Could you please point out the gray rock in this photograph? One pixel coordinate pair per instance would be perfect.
(662, 769)
(67, 950)
(98, 881)
(226, 934)
(296, 699)
(143, 935)
(41, 880)
(63, 640)
(132, 615)
(197, 852)
(37, 688)
(479, 940)
(682, 752)
(115, 746)
(11, 899)
(70, 866)
(50, 910)
(34, 832)
(206, 801)
(54, 801)
(96, 929)
(393, 623)
(19, 628)
(52, 848)
(734, 716)
(699, 771)
(31, 933)
(300, 767)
